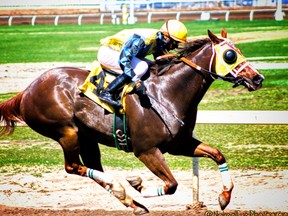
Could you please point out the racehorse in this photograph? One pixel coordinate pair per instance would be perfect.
(53, 106)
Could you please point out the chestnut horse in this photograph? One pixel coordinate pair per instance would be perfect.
(53, 106)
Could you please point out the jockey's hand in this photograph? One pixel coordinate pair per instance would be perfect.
(166, 57)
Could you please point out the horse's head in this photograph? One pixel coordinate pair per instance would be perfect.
(231, 65)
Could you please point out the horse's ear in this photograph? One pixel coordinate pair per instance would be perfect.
(213, 37)
(224, 33)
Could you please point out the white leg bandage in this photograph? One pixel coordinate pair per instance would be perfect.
(152, 192)
(101, 176)
(226, 178)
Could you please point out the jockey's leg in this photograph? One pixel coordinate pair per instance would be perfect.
(109, 58)
(109, 92)
(139, 69)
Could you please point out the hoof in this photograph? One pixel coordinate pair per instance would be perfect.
(196, 206)
(224, 199)
(134, 181)
(140, 209)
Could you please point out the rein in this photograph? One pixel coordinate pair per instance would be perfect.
(197, 67)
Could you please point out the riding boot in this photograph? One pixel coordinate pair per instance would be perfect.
(109, 92)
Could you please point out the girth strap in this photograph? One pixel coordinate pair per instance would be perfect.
(120, 133)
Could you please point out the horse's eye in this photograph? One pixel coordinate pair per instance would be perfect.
(230, 56)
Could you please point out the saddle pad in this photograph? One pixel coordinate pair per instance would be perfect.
(96, 81)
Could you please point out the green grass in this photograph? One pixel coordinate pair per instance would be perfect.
(30, 154)
(265, 48)
(272, 95)
(73, 43)
(261, 147)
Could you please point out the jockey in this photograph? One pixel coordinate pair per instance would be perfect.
(124, 50)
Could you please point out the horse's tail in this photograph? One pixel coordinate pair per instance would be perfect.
(10, 114)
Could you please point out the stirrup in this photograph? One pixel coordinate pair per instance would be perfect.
(109, 100)
(112, 102)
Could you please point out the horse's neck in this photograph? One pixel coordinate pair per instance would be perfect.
(203, 80)
(183, 87)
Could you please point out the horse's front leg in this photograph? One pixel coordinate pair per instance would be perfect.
(155, 162)
(213, 153)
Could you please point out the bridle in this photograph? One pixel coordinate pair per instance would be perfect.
(233, 78)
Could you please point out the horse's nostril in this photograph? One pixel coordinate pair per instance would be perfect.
(258, 79)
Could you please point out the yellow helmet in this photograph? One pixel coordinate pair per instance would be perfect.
(175, 29)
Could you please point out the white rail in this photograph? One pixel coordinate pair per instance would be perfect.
(107, 4)
(149, 15)
(242, 117)
(269, 117)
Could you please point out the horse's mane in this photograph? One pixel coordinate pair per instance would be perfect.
(191, 46)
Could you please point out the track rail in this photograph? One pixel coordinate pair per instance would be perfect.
(53, 16)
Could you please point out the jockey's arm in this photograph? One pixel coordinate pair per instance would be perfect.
(159, 49)
(129, 50)
(160, 53)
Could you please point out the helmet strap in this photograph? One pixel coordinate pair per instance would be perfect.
(168, 34)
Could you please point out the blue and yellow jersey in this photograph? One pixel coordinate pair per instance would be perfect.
(133, 43)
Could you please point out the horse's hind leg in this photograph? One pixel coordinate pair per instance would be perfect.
(71, 149)
(90, 154)
(115, 188)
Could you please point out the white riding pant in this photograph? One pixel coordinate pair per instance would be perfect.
(109, 58)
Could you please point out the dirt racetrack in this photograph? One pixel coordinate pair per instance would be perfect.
(36, 212)
(59, 193)
(7, 211)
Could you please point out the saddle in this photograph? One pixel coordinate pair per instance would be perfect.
(97, 80)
